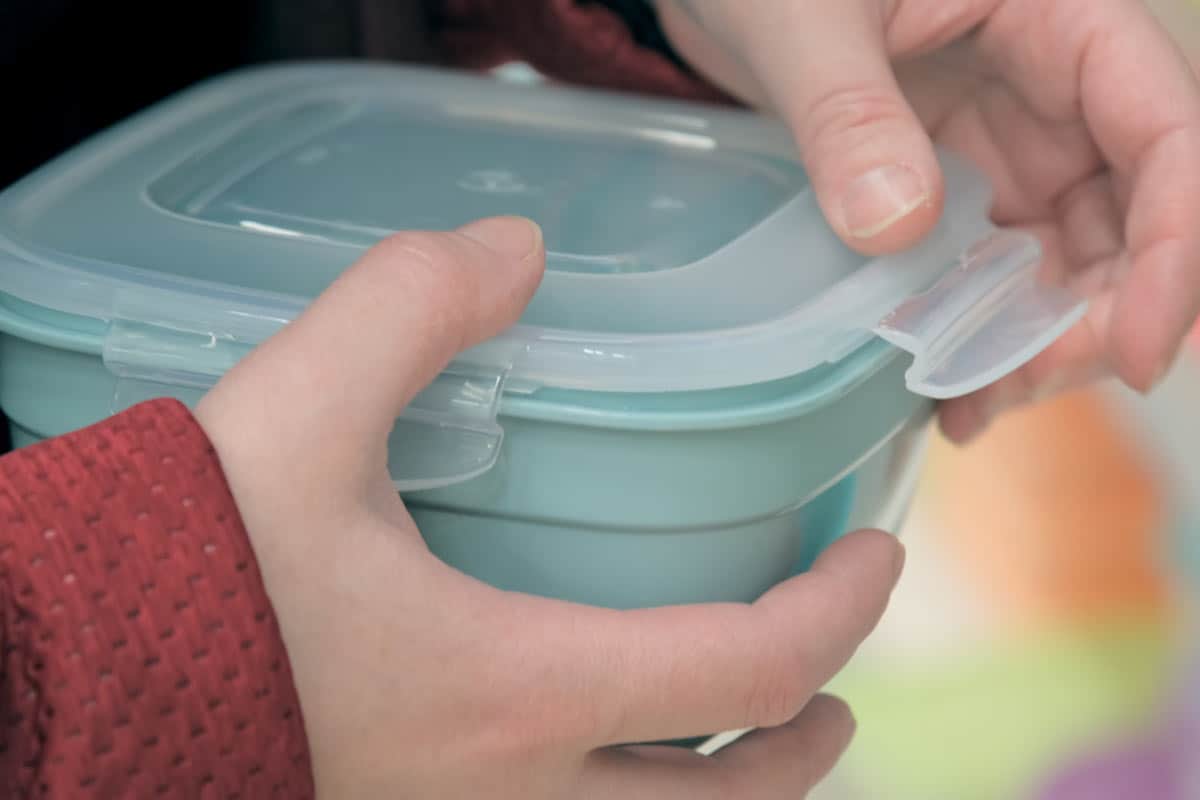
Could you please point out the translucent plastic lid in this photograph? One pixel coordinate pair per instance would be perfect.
(686, 250)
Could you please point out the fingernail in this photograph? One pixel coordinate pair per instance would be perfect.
(881, 198)
(515, 237)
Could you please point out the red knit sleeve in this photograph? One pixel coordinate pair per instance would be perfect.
(567, 40)
(141, 655)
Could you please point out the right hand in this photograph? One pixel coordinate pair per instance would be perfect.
(1082, 113)
(418, 681)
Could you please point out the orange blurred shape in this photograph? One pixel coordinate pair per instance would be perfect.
(1053, 514)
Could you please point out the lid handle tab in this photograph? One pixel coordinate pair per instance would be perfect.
(981, 320)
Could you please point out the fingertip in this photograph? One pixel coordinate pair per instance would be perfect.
(520, 242)
(961, 421)
(878, 554)
(890, 209)
(1140, 363)
(516, 238)
(1145, 380)
(828, 713)
(1153, 309)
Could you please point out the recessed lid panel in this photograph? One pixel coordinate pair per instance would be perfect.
(686, 250)
(609, 204)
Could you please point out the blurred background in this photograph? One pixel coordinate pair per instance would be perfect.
(1044, 643)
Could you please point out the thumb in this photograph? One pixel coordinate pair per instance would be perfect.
(335, 379)
(393, 321)
(828, 73)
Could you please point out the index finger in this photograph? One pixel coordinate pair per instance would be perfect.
(678, 672)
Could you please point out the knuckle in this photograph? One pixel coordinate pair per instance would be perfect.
(432, 261)
(793, 666)
(780, 690)
(848, 116)
(430, 273)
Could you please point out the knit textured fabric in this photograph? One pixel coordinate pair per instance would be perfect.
(141, 655)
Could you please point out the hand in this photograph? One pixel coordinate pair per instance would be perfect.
(417, 681)
(1082, 112)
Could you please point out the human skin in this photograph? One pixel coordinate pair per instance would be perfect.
(1083, 113)
(418, 681)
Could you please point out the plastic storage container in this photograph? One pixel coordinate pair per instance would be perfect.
(707, 389)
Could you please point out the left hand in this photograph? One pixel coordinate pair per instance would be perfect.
(416, 680)
(1082, 112)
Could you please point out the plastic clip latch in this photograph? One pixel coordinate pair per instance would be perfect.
(157, 346)
(149, 361)
(448, 433)
(982, 320)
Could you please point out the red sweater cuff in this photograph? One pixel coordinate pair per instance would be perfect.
(141, 655)
(568, 41)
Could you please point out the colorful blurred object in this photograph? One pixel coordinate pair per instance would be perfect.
(1037, 647)
(987, 725)
(1047, 533)
(1161, 762)
(1055, 514)
(1159, 765)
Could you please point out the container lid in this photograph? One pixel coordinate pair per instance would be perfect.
(686, 249)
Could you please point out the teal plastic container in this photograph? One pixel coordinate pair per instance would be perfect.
(707, 389)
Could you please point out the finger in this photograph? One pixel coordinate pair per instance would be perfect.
(1074, 360)
(827, 72)
(673, 673)
(1160, 149)
(1028, 159)
(684, 25)
(1159, 299)
(1103, 57)
(1078, 357)
(1092, 233)
(339, 375)
(784, 762)
(806, 748)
